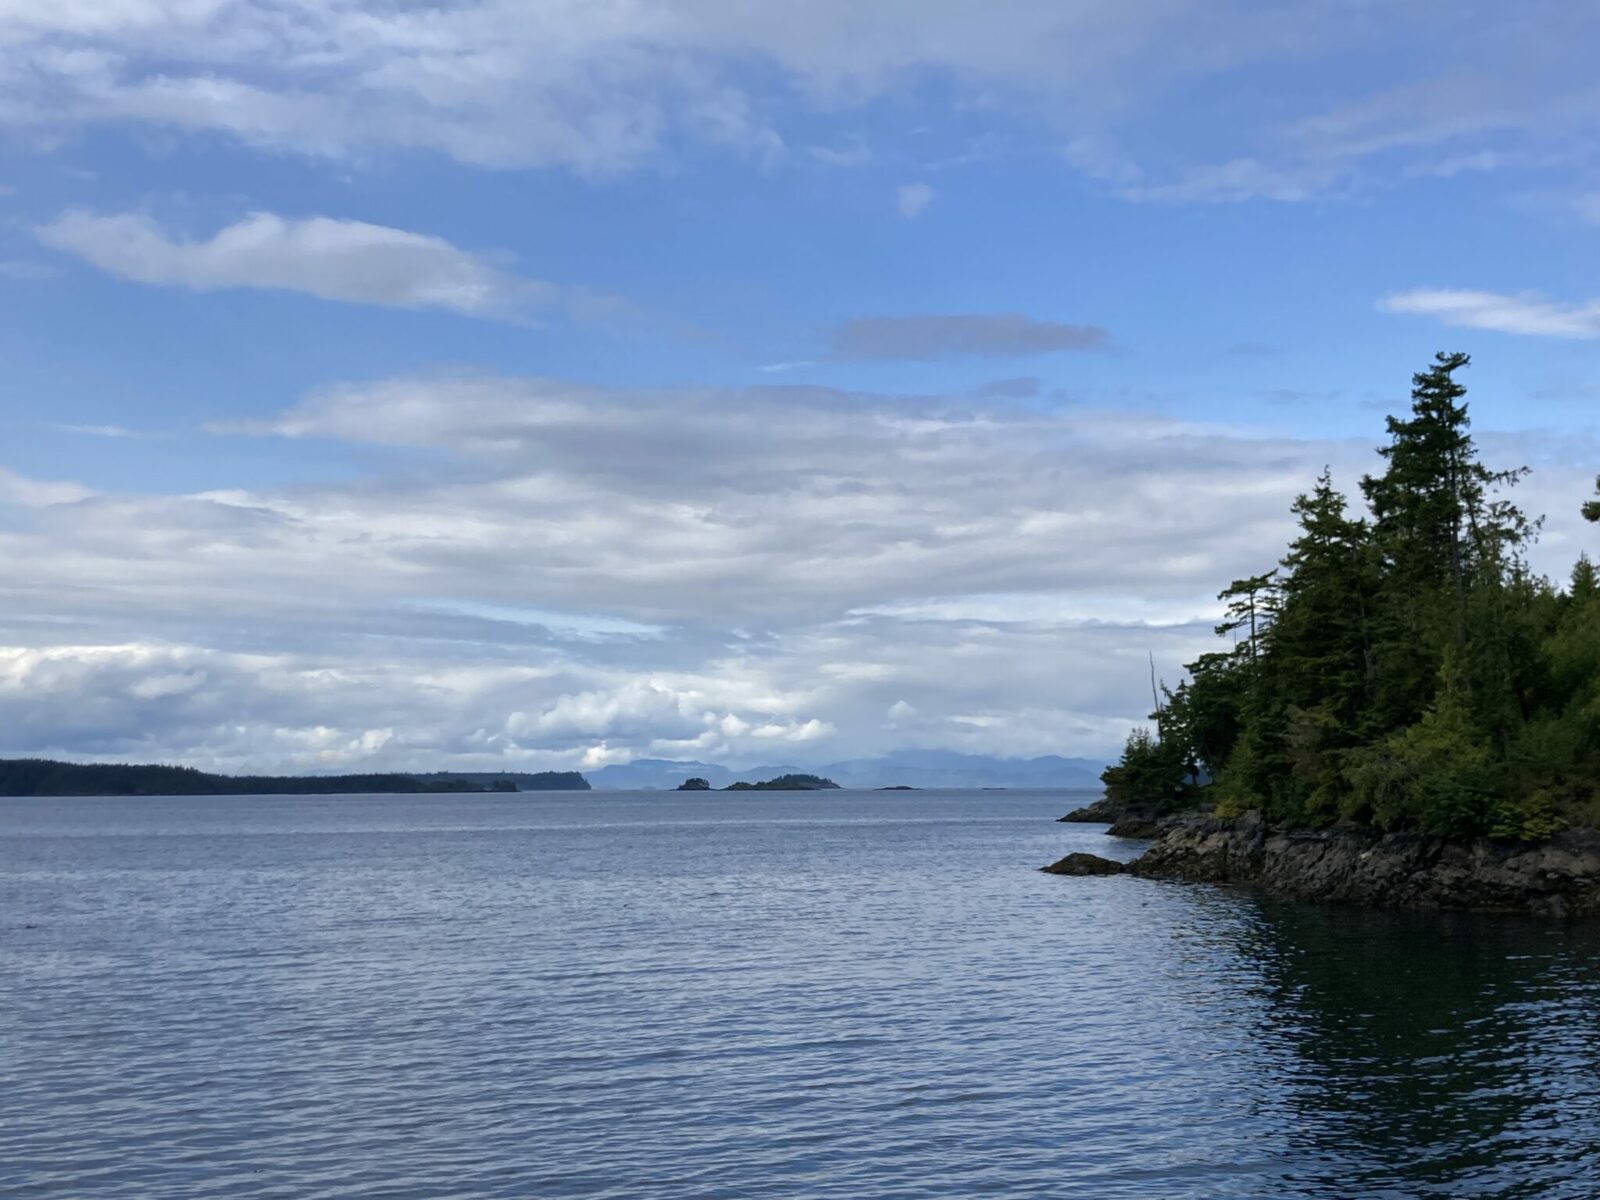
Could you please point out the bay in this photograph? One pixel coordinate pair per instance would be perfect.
(830, 995)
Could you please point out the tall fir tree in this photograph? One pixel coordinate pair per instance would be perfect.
(1439, 533)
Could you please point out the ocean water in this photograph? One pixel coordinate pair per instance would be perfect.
(840, 995)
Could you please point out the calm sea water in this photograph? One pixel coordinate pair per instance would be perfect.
(849, 995)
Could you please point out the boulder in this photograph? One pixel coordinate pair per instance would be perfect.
(1084, 864)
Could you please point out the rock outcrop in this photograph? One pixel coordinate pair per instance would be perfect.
(1126, 820)
(1134, 826)
(1084, 864)
(1557, 877)
(1106, 811)
(1102, 811)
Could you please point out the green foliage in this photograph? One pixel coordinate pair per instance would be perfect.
(1585, 581)
(1434, 775)
(1153, 772)
(1402, 669)
(1238, 784)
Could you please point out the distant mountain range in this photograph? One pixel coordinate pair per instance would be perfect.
(904, 768)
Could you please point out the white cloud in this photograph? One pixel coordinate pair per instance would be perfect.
(912, 198)
(100, 431)
(37, 493)
(349, 261)
(602, 88)
(566, 589)
(1523, 313)
(1238, 180)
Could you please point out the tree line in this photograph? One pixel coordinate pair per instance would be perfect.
(46, 777)
(1402, 667)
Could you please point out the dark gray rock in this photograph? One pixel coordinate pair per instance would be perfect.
(1084, 864)
(1101, 812)
(1106, 811)
(1559, 876)
(1137, 827)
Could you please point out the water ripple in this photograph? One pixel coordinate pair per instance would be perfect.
(840, 996)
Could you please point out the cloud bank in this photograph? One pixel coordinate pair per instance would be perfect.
(579, 575)
(604, 88)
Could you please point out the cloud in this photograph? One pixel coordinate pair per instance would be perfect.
(342, 260)
(736, 575)
(912, 198)
(935, 336)
(100, 431)
(289, 711)
(1523, 313)
(1020, 387)
(1461, 103)
(607, 88)
(19, 490)
(1239, 180)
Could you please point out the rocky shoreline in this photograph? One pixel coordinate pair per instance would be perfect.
(1559, 876)
(1126, 820)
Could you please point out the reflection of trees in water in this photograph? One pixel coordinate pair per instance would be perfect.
(1433, 1054)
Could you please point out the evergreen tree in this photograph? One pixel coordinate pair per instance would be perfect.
(1321, 670)
(1404, 670)
(1438, 534)
(1585, 581)
(1252, 606)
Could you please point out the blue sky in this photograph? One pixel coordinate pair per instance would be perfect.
(548, 384)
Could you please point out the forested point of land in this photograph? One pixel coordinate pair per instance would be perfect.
(44, 777)
(1401, 667)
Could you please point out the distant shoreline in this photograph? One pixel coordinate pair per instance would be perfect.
(21, 777)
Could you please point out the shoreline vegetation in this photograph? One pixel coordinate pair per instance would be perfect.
(46, 777)
(1407, 716)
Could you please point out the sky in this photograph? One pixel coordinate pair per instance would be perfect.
(544, 384)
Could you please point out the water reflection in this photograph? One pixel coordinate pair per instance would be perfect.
(1430, 1054)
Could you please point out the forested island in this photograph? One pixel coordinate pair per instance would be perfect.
(1400, 684)
(783, 783)
(45, 777)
